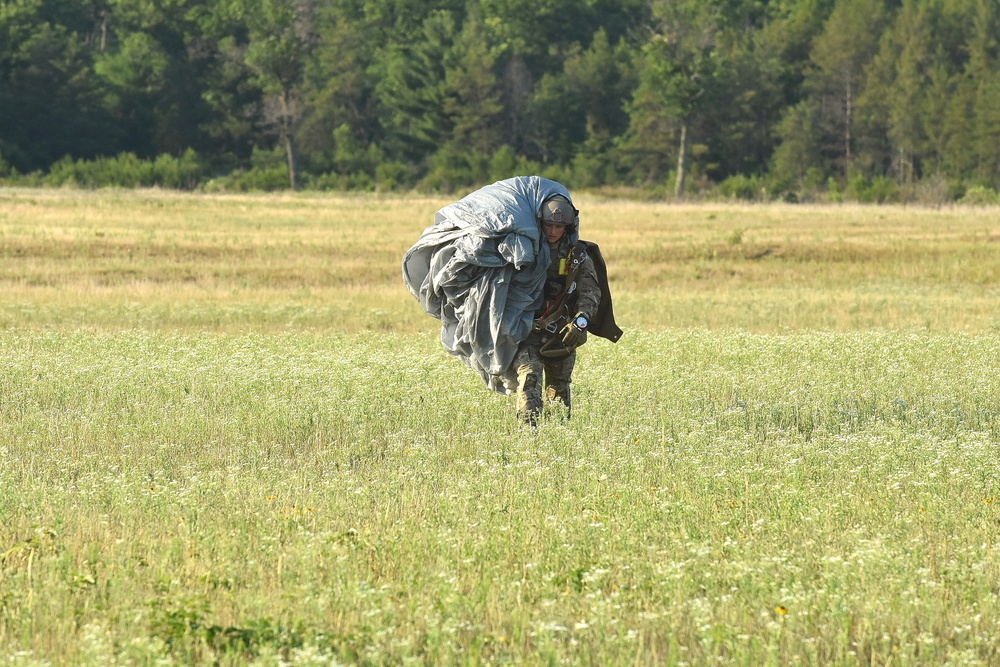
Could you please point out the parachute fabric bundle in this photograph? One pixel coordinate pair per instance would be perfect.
(480, 269)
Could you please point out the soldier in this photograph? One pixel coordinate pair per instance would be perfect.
(571, 296)
(515, 288)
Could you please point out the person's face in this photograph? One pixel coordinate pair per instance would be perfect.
(553, 232)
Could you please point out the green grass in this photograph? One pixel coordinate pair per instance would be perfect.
(236, 498)
(820, 490)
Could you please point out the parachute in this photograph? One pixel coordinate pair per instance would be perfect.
(480, 269)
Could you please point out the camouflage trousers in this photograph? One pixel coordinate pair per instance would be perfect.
(536, 373)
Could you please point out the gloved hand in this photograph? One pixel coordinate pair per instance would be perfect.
(573, 336)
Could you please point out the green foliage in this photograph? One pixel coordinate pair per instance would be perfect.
(746, 188)
(267, 172)
(411, 90)
(833, 191)
(503, 164)
(350, 155)
(821, 129)
(796, 161)
(184, 173)
(874, 190)
(128, 171)
(139, 64)
(394, 175)
(542, 32)
(180, 622)
(980, 195)
(599, 79)
(600, 92)
(304, 498)
(360, 182)
(255, 179)
(684, 72)
(591, 167)
(472, 97)
(50, 97)
(450, 170)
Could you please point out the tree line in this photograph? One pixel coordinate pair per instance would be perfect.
(869, 99)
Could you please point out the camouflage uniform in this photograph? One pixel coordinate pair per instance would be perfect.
(531, 366)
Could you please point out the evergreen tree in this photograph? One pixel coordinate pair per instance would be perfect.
(536, 41)
(745, 101)
(817, 134)
(982, 76)
(647, 150)
(152, 59)
(410, 90)
(839, 56)
(601, 79)
(681, 63)
(896, 86)
(456, 91)
(939, 94)
(796, 164)
(279, 35)
(51, 101)
(471, 92)
(472, 105)
(338, 90)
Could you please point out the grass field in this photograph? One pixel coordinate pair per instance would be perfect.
(228, 435)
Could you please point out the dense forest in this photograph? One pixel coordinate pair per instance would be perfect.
(875, 100)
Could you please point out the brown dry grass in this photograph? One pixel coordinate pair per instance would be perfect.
(164, 260)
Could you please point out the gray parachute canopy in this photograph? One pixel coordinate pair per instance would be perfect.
(480, 269)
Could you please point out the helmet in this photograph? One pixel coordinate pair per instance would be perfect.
(559, 211)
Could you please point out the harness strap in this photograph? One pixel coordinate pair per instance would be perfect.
(557, 309)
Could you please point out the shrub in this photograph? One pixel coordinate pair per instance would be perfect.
(447, 170)
(257, 179)
(392, 175)
(128, 171)
(183, 173)
(877, 190)
(339, 182)
(884, 189)
(833, 192)
(62, 172)
(748, 188)
(503, 164)
(589, 170)
(980, 195)
(555, 172)
(350, 154)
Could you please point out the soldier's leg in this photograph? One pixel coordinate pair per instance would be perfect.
(528, 363)
(558, 376)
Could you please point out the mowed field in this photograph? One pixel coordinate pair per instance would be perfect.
(228, 435)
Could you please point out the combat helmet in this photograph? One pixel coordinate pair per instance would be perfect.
(558, 210)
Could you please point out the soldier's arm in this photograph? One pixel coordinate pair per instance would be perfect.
(588, 289)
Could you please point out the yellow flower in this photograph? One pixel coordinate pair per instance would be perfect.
(780, 611)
